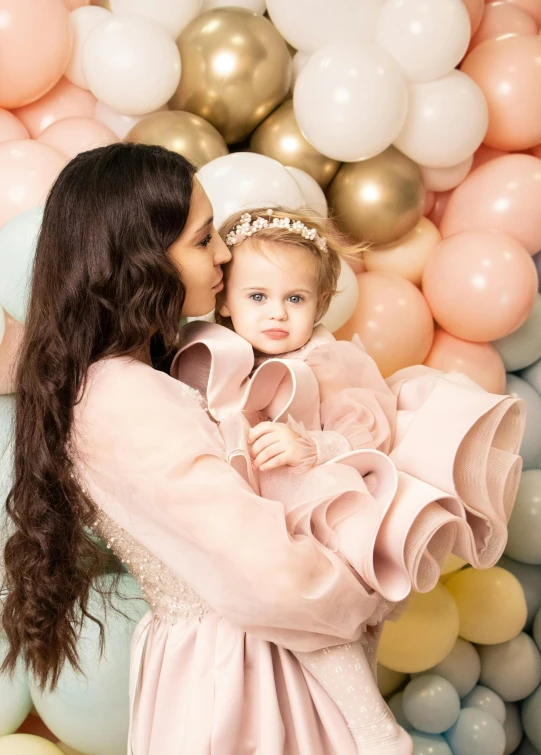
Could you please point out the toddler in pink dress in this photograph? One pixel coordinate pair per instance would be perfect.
(391, 475)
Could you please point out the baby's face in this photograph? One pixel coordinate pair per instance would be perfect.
(271, 296)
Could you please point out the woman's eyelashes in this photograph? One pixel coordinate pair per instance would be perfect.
(206, 241)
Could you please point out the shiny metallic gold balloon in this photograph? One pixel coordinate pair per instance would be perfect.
(378, 200)
(102, 4)
(235, 70)
(185, 133)
(280, 137)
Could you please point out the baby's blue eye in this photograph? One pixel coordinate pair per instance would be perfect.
(296, 299)
(256, 297)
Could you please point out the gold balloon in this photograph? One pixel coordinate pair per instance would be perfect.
(184, 133)
(280, 137)
(102, 4)
(235, 70)
(378, 200)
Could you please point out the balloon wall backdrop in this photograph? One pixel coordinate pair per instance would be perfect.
(417, 126)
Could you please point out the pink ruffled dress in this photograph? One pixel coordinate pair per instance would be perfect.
(236, 584)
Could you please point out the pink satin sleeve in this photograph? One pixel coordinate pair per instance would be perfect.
(155, 463)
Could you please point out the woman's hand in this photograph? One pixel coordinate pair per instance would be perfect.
(274, 445)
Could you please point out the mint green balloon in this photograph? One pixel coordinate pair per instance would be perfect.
(18, 240)
(529, 576)
(431, 703)
(530, 448)
(7, 427)
(476, 733)
(531, 717)
(429, 744)
(524, 528)
(15, 700)
(90, 714)
(486, 699)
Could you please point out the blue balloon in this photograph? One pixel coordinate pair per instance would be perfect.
(512, 727)
(7, 427)
(530, 448)
(429, 744)
(531, 717)
(476, 733)
(532, 375)
(524, 528)
(431, 703)
(18, 240)
(529, 577)
(396, 704)
(486, 699)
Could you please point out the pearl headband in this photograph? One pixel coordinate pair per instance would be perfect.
(248, 226)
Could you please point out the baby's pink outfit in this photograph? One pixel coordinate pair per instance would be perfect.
(234, 587)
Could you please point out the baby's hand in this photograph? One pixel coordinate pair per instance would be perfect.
(275, 445)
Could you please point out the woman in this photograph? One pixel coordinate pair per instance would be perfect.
(107, 441)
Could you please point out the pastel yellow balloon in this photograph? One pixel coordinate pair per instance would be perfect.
(451, 564)
(491, 604)
(388, 680)
(424, 635)
(408, 256)
(27, 744)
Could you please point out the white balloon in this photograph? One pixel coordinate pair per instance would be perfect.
(257, 6)
(300, 59)
(343, 304)
(131, 63)
(351, 101)
(83, 20)
(171, 14)
(309, 25)
(428, 39)
(119, 123)
(443, 179)
(447, 120)
(246, 180)
(314, 196)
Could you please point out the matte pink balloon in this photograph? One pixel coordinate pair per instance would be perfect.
(430, 200)
(533, 7)
(479, 361)
(508, 71)
(484, 154)
(475, 10)
(63, 101)
(503, 195)
(11, 127)
(9, 346)
(73, 135)
(27, 171)
(393, 321)
(502, 18)
(480, 285)
(440, 203)
(35, 48)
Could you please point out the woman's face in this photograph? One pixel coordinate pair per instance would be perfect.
(198, 253)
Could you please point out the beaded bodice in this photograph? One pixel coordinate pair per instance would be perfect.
(168, 597)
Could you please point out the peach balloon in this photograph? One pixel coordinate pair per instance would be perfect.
(74, 4)
(35, 47)
(475, 10)
(27, 170)
(533, 7)
(443, 179)
(408, 256)
(502, 195)
(484, 154)
(63, 101)
(440, 203)
(9, 346)
(393, 321)
(480, 285)
(479, 361)
(508, 71)
(430, 199)
(502, 19)
(11, 127)
(73, 135)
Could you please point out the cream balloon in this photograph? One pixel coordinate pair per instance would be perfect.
(408, 256)
(337, 89)
(309, 25)
(131, 63)
(257, 6)
(300, 59)
(447, 120)
(171, 14)
(120, 123)
(344, 302)
(314, 198)
(243, 181)
(427, 39)
(27, 744)
(443, 179)
(83, 20)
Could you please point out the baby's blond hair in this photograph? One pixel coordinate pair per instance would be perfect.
(328, 255)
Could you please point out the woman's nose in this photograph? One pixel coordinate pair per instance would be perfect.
(222, 253)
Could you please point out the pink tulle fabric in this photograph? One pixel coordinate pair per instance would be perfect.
(281, 563)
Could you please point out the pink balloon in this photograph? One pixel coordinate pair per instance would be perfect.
(502, 18)
(484, 154)
(440, 203)
(73, 135)
(393, 321)
(479, 361)
(430, 200)
(503, 195)
(475, 10)
(27, 171)
(63, 101)
(9, 346)
(480, 285)
(508, 71)
(11, 127)
(533, 7)
(35, 48)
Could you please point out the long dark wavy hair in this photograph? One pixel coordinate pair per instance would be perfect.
(102, 286)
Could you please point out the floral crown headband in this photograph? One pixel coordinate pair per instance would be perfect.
(248, 226)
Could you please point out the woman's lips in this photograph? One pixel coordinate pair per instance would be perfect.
(219, 286)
